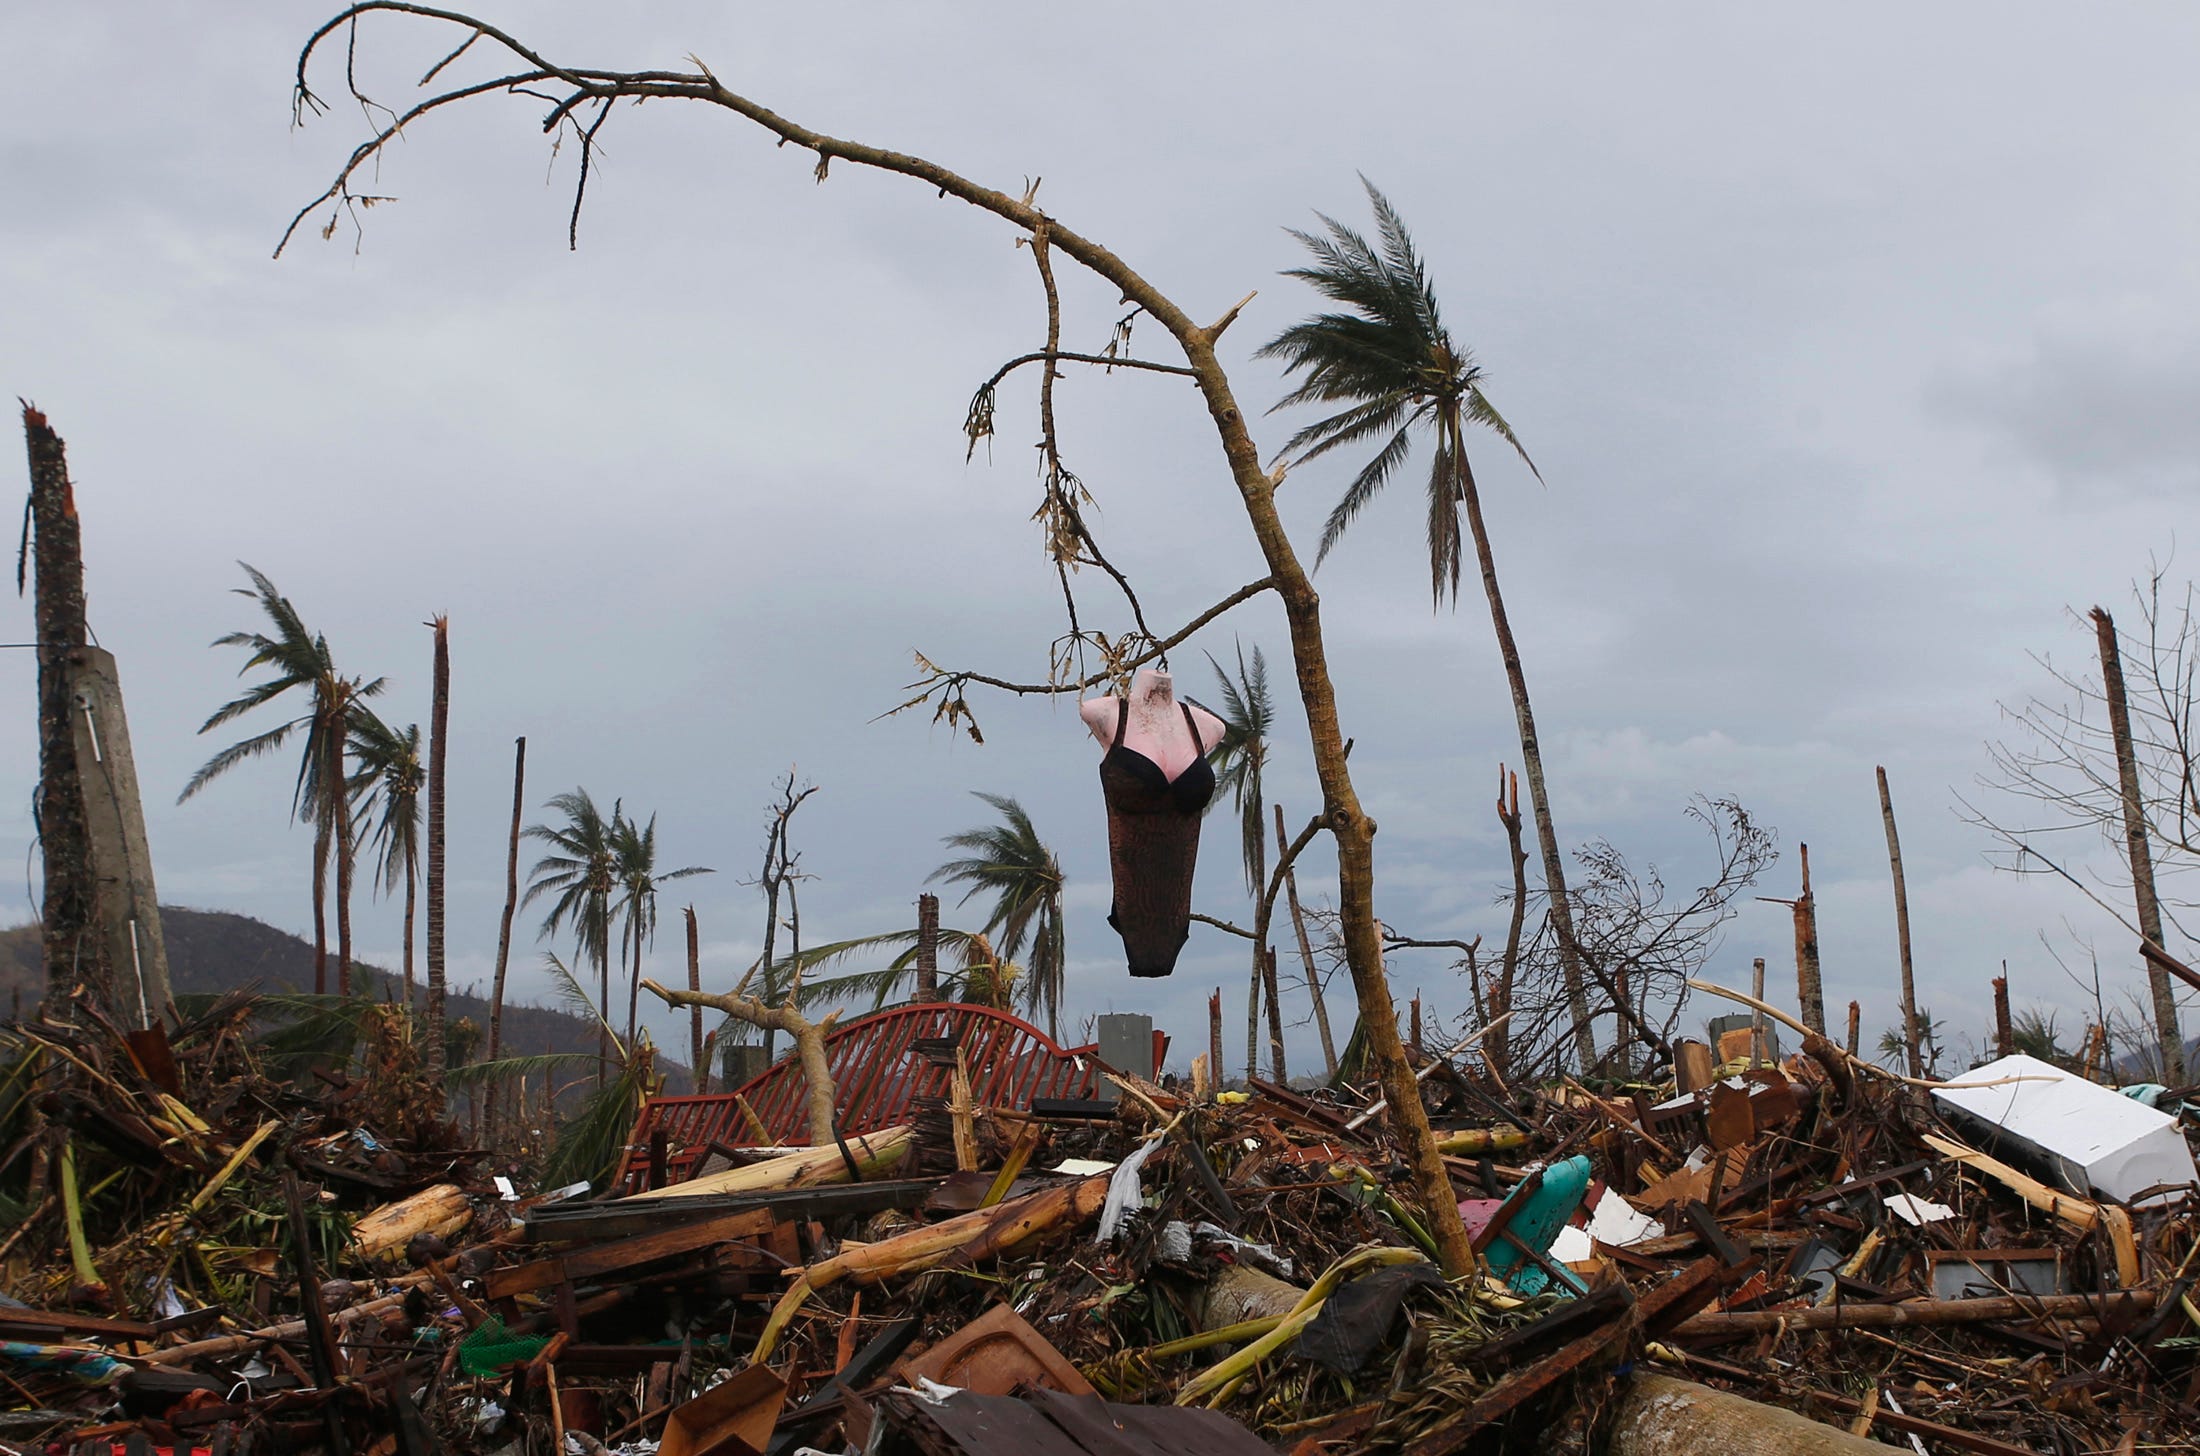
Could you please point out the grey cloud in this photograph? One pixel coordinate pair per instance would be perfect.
(2105, 408)
(693, 494)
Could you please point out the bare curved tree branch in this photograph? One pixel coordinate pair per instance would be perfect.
(1342, 811)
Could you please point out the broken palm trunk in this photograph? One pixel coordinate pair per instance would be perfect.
(1660, 1416)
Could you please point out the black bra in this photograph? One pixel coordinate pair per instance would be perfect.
(1190, 791)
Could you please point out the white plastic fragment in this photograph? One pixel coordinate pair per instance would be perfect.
(1124, 1191)
(1082, 1167)
(1614, 1223)
(2092, 1139)
(1916, 1211)
(1573, 1246)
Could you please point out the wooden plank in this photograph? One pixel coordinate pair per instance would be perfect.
(594, 1262)
(320, 1332)
(615, 1219)
(1679, 1297)
(1737, 1323)
(1518, 1387)
(45, 1321)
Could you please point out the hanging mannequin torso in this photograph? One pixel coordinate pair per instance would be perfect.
(1157, 784)
(1155, 725)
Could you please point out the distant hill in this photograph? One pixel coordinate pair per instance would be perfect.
(212, 950)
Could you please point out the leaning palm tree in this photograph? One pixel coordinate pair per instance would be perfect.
(634, 868)
(580, 877)
(387, 781)
(301, 668)
(1240, 756)
(1388, 358)
(1242, 753)
(1009, 861)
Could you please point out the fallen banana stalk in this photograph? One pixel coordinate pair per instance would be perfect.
(1221, 1378)
(1112, 1376)
(972, 1237)
(1475, 1141)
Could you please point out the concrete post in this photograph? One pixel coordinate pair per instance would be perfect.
(122, 859)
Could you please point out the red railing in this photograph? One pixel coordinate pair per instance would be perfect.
(878, 1072)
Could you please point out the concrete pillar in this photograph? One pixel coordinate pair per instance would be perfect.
(122, 860)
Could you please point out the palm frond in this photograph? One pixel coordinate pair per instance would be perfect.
(590, 1144)
(1388, 358)
(506, 1069)
(1241, 757)
(1482, 412)
(234, 754)
(1364, 488)
(574, 997)
(1010, 862)
(1445, 490)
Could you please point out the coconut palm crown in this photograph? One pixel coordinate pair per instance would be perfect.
(1241, 755)
(579, 876)
(1391, 361)
(634, 868)
(301, 667)
(1009, 861)
(389, 776)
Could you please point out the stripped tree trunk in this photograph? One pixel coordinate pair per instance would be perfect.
(1810, 988)
(320, 909)
(1760, 1050)
(75, 951)
(2138, 847)
(2005, 1035)
(698, 1050)
(1306, 952)
(1902, 932)
(439, 730)
(504, 927)
(1497, 1047)
(1214, 1035)
(412, 902)
(1531, 758)
(634, 990)
(1264, 980)
(339, 810)
(928, 948)
(1275, 1018)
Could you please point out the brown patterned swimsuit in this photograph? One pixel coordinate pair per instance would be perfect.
(1153, 845)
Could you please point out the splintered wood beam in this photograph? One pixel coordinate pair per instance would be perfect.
(592, 1263)
(1732, 1324)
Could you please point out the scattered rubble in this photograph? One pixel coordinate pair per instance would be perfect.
(223, 1254)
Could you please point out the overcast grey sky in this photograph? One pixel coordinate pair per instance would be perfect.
(1855, 345)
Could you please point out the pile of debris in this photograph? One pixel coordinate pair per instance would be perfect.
(1807, 1256)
